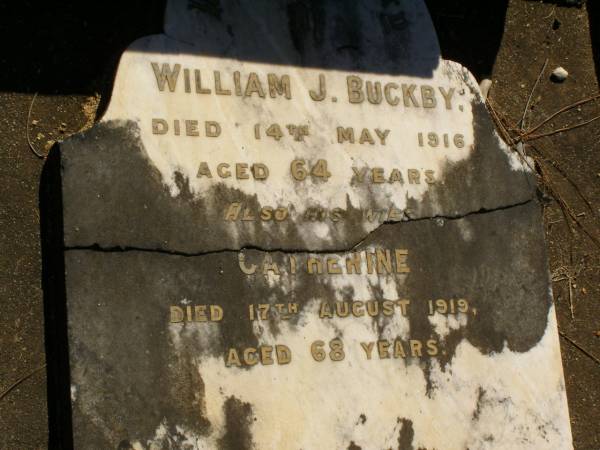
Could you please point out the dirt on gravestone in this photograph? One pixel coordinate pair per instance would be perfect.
(67, 54)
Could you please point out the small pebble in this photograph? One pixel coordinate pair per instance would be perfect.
(559, 75)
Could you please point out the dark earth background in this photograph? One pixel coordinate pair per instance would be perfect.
(67, 52)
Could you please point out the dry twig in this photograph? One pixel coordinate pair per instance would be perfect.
(579, 347)
(35, 152)
(531, 94)
(20, 380)
(560, 130)
(560, 111)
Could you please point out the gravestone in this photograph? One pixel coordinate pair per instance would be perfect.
(297, 228)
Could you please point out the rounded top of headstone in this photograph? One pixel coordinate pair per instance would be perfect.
(391, 36)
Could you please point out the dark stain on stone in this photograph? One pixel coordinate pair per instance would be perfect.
(362, 419)
(500, 269)
(353, 446)
(238, 420)
(406, 435)
(111, 192)
(114, 197)
(478, 405)
(486, 175)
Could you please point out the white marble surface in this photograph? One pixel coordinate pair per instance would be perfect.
(522, 392)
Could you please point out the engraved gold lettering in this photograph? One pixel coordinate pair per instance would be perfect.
(176, 314)
(233, 358)
(250, 357)
(365, 136)
(266, 355)
(198, 80)
(416, 348)
(345, 134)
(414, 176)
(166, 75)
(432, 348)
(355, 94)
(401, 265)
(284, 354)
(332, 266)
(266, 213)
(384, 261)
(159, 126)
(353, 263)
(399, 349)
(369, 256)
(429, 177)
(373, 308)
(222, 172)
(270, 266)
(213, 129)
(374, 92)
(447, 96)
(319, 95)
(377, 175)
(403, 304)
(203, 170)
(383, 349)
(233, 211)
(200, 313)
(237, 86)
(325, 310)
(186, 81)
(248, 215)
(358, 309)
(218, 88)
(313, 263)
(191, 128)
(368, 348)
(342, 309)
(382, 135)
(248, 270)
(216, 313)
(359, 174)
(337, 350)
(388, 308)
(408, 95)
(387, 92)
(428, 96)
(260, 171)
(279, 86)
(241, 171)
(253, 85)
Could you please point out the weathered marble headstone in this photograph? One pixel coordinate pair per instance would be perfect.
(296, 228)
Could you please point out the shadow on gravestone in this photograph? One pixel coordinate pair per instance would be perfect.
(384, 287)
(60, 434)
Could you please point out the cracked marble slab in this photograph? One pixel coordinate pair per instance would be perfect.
(296, 227)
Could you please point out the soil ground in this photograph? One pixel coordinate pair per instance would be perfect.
(67, 54)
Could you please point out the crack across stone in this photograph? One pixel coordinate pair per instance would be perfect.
(122, 249)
